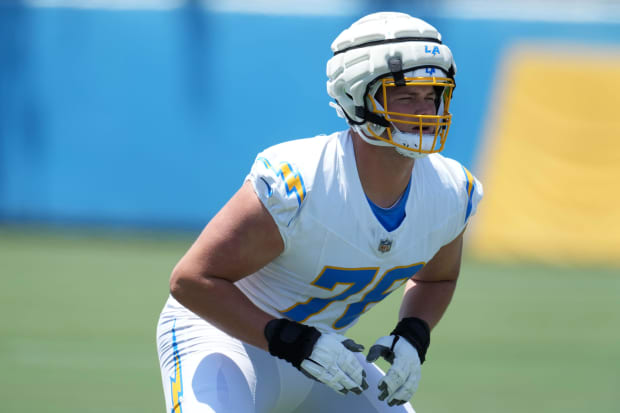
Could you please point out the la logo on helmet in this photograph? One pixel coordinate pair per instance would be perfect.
(434, 51)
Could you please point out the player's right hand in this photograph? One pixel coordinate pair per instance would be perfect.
(325, 357)
(332, 362)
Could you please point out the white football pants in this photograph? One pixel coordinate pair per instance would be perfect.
(205, 370)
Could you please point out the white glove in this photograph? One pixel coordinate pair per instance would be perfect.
(402, 379)
(332, 362)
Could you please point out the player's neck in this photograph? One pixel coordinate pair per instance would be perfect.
(383, 172)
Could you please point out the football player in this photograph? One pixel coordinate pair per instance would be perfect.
(322, 230)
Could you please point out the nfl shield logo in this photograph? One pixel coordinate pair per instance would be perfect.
(385, 245)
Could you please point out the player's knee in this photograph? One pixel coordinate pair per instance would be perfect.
(219, 383)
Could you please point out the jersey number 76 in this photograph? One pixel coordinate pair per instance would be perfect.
(357, 280)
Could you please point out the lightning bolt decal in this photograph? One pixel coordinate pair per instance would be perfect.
(470, 191)
(176, 383)
(294, 182)
(291, 177)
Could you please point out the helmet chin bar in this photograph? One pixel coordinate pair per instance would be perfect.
(410, 145)
(412, 140)
(413, 145)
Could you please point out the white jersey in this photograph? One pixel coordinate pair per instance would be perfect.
(339, 260)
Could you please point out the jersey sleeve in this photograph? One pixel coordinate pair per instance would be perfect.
(281, 188)
(467, 192)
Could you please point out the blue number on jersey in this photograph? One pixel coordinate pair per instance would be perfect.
(357, 279)
(391, 280)
(329, 278)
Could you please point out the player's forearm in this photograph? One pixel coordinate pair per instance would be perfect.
(222, 304)
(427, 300)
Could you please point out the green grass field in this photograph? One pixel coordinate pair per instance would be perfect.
(78, 315)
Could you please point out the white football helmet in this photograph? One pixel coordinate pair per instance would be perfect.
(385, 50)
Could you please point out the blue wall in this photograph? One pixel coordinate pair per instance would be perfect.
(153, 118)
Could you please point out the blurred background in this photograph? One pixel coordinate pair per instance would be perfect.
(125, 126)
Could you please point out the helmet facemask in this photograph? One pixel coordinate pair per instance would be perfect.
(389, 50)
(413, 135)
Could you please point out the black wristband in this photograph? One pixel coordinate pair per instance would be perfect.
(290, 341)
(417, 332)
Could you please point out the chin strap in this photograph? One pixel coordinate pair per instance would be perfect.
(368, 116)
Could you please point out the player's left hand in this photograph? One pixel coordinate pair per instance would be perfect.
(402, 379)
(405, 349)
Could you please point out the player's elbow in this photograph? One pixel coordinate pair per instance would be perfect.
(181, 282)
